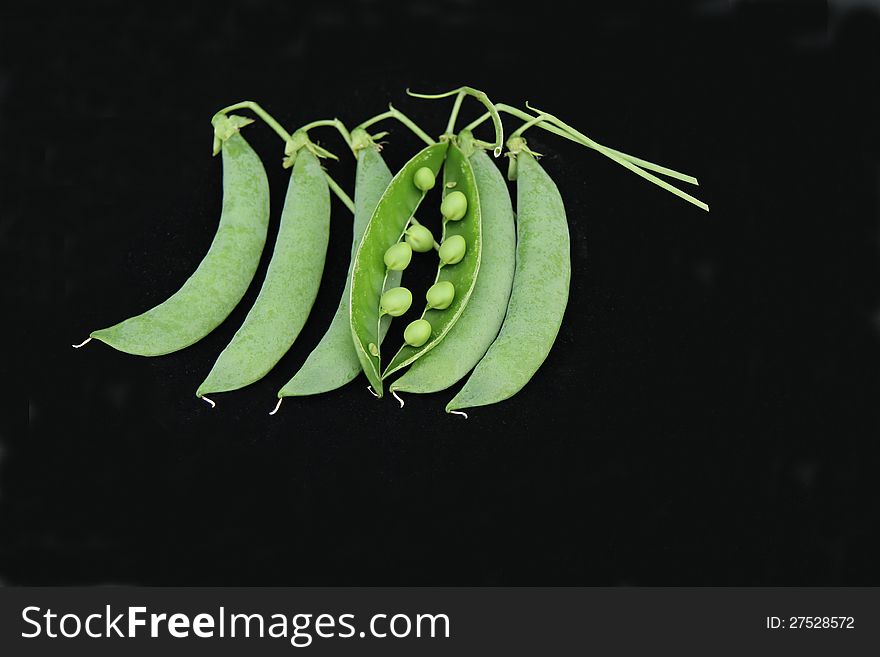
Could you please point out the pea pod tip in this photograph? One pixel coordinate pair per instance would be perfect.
(277, 406)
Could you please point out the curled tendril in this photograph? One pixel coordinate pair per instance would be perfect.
(481, 96)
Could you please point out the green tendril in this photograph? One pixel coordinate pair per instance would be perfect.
(459, 94)
(340, 194)
(259, 111)
(332, 123)
(636, 165)
(396, 114)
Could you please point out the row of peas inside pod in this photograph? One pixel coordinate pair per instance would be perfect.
(418, 238)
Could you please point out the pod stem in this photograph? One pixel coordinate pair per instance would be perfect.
(393, 113)
(542, 121)
(332, 123)
(263, 114)
(415, 221)
(637, 165)
(459, 94)
(340, 193)
(290, 139)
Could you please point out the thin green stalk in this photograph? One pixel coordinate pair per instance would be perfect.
(636, 165)
(415, 221)
(286, 136)
(657, 181)
(332, 123)
(453, 115)
(473, 125)
(480, 96)
(528, 124)
(340, 194)
(623, 161)
(393, 113)
(263, 114)
(609, 151)
(524, 116)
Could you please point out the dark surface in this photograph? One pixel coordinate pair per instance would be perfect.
(708, 415)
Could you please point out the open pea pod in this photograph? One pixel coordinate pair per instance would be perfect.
(458, 175)
(398, 203)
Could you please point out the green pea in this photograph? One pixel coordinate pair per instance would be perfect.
(467, 341)
(226, 271)
(398, 203)
(440, 295)
(290, 287)
(419, 238)
(452, 250)
(397, 257)
(417, 333)
(539, 296)
(454, 206)
(424, 179)
(334, 362)
(395, 301)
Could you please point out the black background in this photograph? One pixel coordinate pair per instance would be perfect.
(708, 415)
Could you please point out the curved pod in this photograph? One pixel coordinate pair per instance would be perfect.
(539, 295)
(398, 203)
(334, 362)
(222, 277)
(463, 274)
(290, 286)
(468, 340)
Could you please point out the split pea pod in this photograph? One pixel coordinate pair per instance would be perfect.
(226, 271)
(290, 286)
(334, 362)
(467, 342)
(462, 231)
(539, 295)
(368, 280)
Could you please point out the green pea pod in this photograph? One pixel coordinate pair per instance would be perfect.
(334, 362)
(398, 203)
(467, 341)
(290, 286)
(462, 274)
(223, 275)
(539, 295)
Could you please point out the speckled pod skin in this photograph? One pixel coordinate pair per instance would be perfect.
(539, 296)
(290, 287)
(223, 276)
(468, 340)
(334, 362)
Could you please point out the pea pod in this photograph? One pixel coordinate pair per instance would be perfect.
(290, 286)
(463, 274)
(334, 362)
(468, 340)
(394, 210)
(539, 295)
(226, 271)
